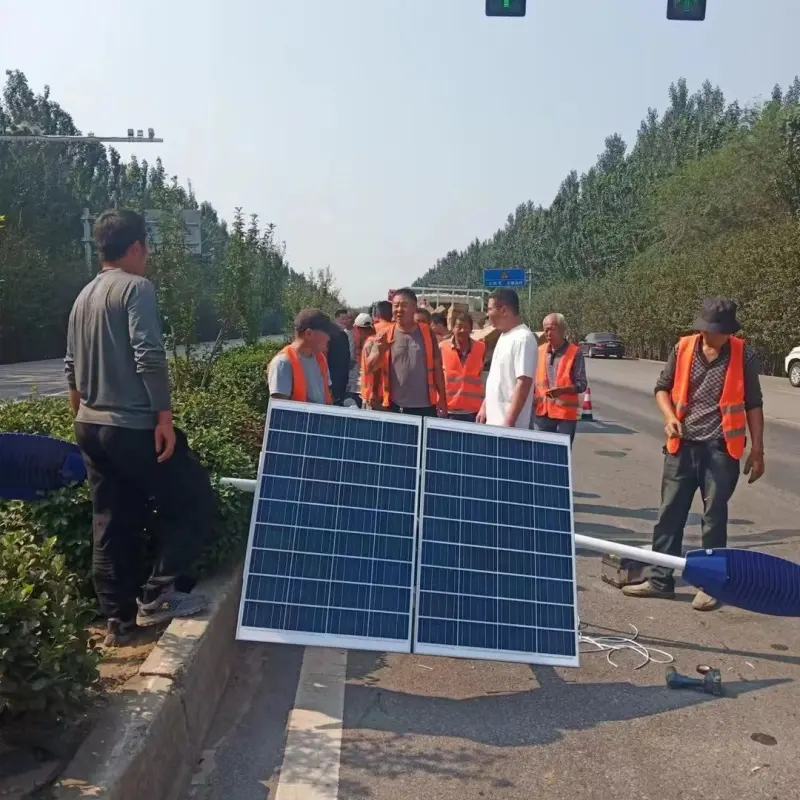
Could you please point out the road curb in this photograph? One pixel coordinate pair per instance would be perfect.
(146, 743)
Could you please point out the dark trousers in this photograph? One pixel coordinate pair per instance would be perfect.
(460, 417)
(356, 397)
(424, 411)
(547, 425)
(127, 482)
(697, 465)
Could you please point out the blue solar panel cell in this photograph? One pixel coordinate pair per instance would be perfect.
(496, 561)
(332, 541)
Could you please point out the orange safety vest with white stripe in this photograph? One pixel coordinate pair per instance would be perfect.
(463, 381)
(430, 362)
(299, 383)
(564, 407)
(731, 402)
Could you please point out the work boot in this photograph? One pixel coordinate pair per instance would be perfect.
(119, 632)
(647, 589)
(169, 604)
(704, 602)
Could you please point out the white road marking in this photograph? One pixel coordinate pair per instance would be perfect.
(310, 768)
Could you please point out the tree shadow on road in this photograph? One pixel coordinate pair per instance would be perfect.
(649, 514)
(381, 725)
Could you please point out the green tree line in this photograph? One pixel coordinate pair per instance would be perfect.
(706, 202)
(241, 285)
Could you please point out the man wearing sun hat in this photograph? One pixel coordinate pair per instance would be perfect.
(710, 394)
(300, 370)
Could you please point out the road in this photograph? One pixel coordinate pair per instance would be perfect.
(322, 724)
(47, 377)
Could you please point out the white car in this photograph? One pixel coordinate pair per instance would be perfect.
(792, 364)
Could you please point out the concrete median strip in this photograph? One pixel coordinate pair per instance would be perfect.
(147, 742)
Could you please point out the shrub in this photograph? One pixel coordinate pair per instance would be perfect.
(46, 594)
(46, 663)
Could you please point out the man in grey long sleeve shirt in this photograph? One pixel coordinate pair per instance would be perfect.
(118, 378)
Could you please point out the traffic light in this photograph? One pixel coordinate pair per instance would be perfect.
(505, 8)
(686, 10)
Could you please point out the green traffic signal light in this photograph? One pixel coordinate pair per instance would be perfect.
(686, 10)
(505, 8)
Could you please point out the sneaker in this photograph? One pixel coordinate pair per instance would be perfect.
(119, 632)
(168, 605)
(704, 602)
(647, 589)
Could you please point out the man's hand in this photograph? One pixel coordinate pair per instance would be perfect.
(441, 410)
(74, 401)
(754, 465)
(382, 341)
(673, 428)
(556, 391)
(481, 417)
(165, 437)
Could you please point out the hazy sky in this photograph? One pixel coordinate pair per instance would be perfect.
(379, 134)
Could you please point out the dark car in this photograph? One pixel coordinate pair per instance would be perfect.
(602, 344)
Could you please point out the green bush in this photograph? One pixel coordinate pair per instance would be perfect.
(46, 662)
(45, 547)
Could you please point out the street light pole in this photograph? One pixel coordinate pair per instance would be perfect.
(32, 137)
(86, 217)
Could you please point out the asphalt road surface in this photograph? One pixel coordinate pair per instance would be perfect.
(325, 724)
(47, 377)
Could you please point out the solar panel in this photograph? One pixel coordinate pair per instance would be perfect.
(496, 572)
(333, 531)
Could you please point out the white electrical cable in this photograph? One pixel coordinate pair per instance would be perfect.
(613, 644)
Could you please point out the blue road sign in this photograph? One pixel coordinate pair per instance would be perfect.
(504, 278)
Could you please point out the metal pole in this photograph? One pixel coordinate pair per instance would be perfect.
(87, 240)
(23, 137)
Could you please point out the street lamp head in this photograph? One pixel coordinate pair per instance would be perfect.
(130, 133)
(151, 134)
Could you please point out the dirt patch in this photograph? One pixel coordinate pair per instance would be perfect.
(34, 758)
(122, 663)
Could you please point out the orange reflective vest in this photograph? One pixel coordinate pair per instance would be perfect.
(299, 383)
(565, 406)
(731, 402)
(462, 379)
(427, 339)
(371, 385)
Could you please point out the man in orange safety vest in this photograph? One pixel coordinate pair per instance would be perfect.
(300, 370)
(409, 361)
(710, 394)
(560, 380)
(462, 361)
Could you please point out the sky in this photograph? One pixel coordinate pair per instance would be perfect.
(380, 134)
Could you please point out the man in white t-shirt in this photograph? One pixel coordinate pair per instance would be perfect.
(509, 387)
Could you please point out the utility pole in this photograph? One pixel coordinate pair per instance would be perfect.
(29, 136)
(140, 138)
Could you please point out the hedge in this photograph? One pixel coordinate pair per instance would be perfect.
(47, 663)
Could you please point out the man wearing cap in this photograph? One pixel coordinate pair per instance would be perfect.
(300, 371)
(710, 394)
(363, 331)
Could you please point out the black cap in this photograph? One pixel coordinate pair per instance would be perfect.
(312, 319)
(718, 316)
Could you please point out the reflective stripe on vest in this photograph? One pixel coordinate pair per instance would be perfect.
(566, 406)
(299, 383)
(731, 402)
(463, 380)
(427, 339)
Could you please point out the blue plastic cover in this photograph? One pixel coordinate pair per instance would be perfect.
(747, 579)
(31, 464)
